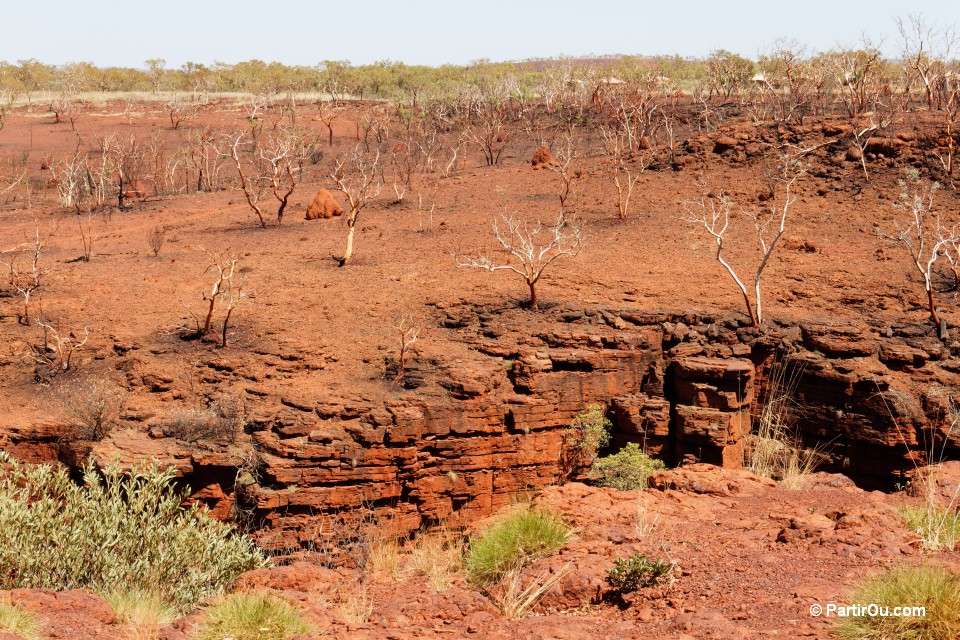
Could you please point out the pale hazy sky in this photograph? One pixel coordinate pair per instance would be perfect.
(126, 33)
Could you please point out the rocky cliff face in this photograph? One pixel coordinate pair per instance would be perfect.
(468, 433)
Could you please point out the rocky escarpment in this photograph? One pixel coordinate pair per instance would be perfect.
(466, 433)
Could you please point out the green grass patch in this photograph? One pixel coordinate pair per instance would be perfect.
(514, 540)
(629, 574)
(926, 585)
(251, 616)
(939, 527)
(21, 623)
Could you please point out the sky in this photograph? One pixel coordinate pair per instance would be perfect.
(434, 32)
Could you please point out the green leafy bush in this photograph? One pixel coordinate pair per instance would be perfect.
(588, 433)
(934, 587)
(630, 574)
(118, 531)
(251, 616)
(513, 541)
(625, 470)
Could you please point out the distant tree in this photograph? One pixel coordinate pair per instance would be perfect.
(729, 73)
(156, 69)
(926, 50)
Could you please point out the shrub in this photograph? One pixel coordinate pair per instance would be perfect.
(92, 405)
(225, 417)
(513, 541)
(251, 616)
(625, 470)
(588, 433)
(114, 532)
(630, 574)
(939, 527)
(930, 586)
(18, 622)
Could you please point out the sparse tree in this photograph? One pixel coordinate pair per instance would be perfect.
(59, 348)
(407, 335)
(531, 249)
(156, 67)
(27, 278)
(251, 186)
(769, 225)
(625, 174)
(357, 176)
(923, 233)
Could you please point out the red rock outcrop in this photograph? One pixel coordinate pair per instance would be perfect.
(471, 433)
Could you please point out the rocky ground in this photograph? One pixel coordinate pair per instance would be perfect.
(311, 356)
(750, 560)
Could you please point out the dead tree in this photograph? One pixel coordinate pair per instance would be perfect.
(252, 187)
(926, 51)
(769, 225)
(924, 235)
(180, 110)
(61, 347)
(531, 249)
(489, 129)
(285, 155)
(565, 154)
(223, 269)
(357, 176)
(625, 177)
(26, 279)
(861, 140)
(407, 336)
(327, 115)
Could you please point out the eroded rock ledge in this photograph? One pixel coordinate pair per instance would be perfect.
(469, 433)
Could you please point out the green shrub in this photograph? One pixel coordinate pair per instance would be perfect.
(588, 433)
(251, 616)
(590, 430)
(630, 574)
(513, 541)
(118, 531)
(930, 586)
(21, 623)
(625, 470)
(939, 527)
